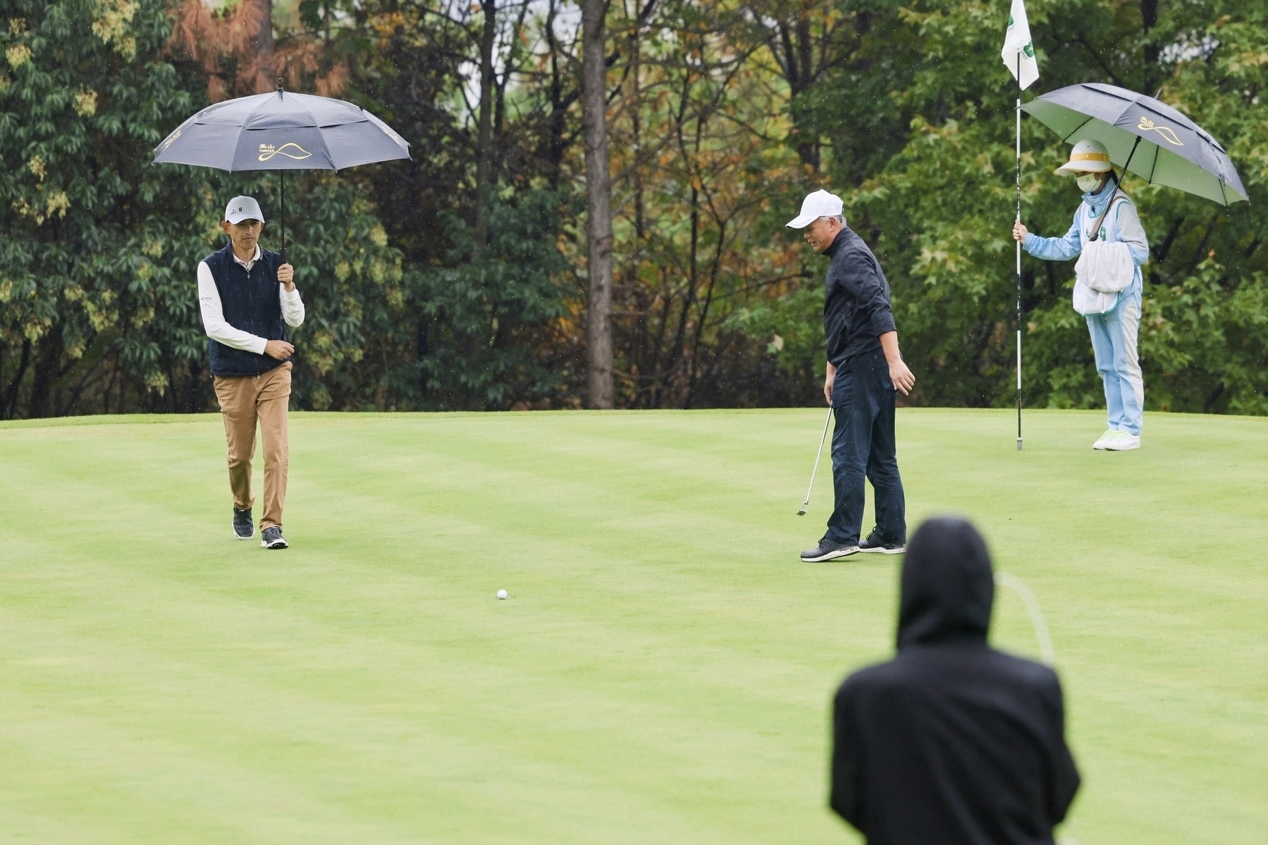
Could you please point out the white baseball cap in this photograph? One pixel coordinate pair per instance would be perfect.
(243, 208)
(816, 205)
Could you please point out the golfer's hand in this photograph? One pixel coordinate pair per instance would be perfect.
(901, 376)
(827, 383)
(279, 349)
(1019, 231)
(286, 275)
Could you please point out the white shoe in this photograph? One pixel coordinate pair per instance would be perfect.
(1123, 441)
(1104, 439)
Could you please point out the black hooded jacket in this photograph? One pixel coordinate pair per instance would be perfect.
(951, 741)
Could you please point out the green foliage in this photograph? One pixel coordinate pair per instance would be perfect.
(352, 283)
(494, 314)
(97, 266)
(479, 325)
(938, 208)
(794, 325)
(452, 280)
(96, 302)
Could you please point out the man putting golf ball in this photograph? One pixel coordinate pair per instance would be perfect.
(865, 370)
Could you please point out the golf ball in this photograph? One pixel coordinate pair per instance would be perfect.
(501, 594)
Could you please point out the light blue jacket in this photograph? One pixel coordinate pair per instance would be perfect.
(1122, 225)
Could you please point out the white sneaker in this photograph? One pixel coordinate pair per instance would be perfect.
(1104, 439)
(1123, 441)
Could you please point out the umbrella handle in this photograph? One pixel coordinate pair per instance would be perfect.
(1096, 234)
(1096, 231)
(283, 203)
(283, 172)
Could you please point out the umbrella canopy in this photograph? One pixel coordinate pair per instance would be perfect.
(281, 131)
(1144, 136)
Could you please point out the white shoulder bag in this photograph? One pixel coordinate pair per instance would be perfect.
(1102, 271)
(1105, 267)
(1088, 302)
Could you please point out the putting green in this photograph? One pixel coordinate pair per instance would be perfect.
(663, 668)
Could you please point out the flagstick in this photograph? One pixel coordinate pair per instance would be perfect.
(1018, 243)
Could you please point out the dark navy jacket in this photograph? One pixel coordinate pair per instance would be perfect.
(856, 308)
(250, 304)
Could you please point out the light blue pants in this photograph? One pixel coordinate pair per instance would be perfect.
(1114, 337)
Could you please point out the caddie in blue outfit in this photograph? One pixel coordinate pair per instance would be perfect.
(864, 372)
(1110, 299)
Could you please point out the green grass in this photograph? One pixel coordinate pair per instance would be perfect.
(663, 670)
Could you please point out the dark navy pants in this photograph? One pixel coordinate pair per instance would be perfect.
(863, 446)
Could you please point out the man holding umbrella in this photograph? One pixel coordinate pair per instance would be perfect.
(246, 294)
(1109, 287)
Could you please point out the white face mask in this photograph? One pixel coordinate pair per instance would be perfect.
(1088, 182)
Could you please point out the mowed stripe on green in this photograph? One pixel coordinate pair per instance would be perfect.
(664, 667)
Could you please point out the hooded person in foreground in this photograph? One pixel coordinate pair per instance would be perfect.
(951, 741)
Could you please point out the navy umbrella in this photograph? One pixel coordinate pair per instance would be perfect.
(281, 131)
(1144, 136)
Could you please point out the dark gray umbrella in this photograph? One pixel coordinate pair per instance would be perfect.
(1143, 136)
(281, 131)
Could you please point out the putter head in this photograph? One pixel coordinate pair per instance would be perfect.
(801, 512)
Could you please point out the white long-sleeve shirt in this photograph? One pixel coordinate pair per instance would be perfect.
(214, 317)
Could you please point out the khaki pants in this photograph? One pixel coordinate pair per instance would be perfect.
(244, 400)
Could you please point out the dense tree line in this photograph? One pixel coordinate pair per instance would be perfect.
(482, 274)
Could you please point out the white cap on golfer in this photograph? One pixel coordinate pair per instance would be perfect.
(816, 205)
(243, 208)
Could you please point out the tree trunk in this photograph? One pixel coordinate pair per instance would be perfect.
(48, 355)
(484, 139)
(808, 145)
(1149, 19)
(11, 390)
(794, 51)
(598, 203)
(260, 16)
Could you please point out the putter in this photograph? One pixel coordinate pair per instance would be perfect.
(818, 455)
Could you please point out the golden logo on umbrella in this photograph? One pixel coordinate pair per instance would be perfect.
(171, 139)
(289, 149)
(1168, 134)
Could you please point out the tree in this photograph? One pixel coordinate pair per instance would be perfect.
(598, 203)
(935, 200)
(95, 314)
(463, 278)
(483, 314)
(698, 123)
(96, 267)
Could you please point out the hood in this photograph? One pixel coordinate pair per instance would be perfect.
(947, 585)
